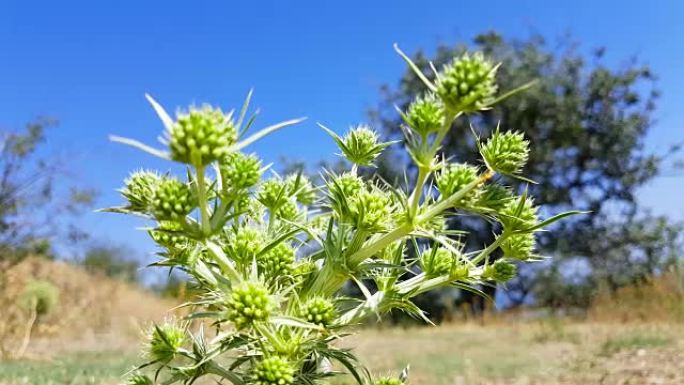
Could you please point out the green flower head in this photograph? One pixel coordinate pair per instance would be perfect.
(273, 370)
(172, 200)
(519, 246)
(139, 190)
(169, 235)
(506, 153)
(360, 146)
(500, 271)
(494, 197)
(425, 115)
(301, 188)
(244, 244)
(249, 302)
(165, 341)
(455, 177)
(138, 379)
(370, 209)
(273, 193)
(467, 84)
(201, 136)
(278, 261)
(519, 213)
(436, 262)
(319, 311)
(239, 171)
(289, 211)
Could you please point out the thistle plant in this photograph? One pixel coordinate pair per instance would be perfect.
(269, 254)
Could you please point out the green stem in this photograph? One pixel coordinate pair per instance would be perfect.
(202, 199)
(484, 254)
(423, 173)
(450, 201)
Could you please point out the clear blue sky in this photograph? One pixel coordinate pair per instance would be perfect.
(89, 64)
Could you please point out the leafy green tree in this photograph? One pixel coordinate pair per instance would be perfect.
(112, 261)
(587, 123)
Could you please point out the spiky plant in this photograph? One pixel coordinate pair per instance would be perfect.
(269, 255)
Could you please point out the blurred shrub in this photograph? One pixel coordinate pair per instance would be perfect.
(39, 296)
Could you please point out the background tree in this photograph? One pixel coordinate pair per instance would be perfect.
(587, 123)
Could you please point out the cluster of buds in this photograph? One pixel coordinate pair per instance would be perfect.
(268, 258)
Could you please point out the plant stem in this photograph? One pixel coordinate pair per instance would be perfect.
(202, 200)
(484, 254)
(450, 201)
(423, 173)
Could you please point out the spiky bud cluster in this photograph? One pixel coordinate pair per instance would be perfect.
(341, 188)
(519, 246)
(370, 209)
(494, 197)
(172, 200)
(277, 261)
(506, 153)
(519, 214)
(244, 244)
(301, 188)
(468, 83)
(201, 136)
(319, 311)
(239, 171)
(139, 190)
(273, 193)
(273, 370)
(436, 262)
(455, 177)
(425, 115)
(138, 379)
(388, 381)
(165, 341)
(360, 146)
(500, 271)
(248, 303)
(169, 235)
(289, 211)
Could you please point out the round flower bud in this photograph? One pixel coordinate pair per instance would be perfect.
(519, 246)
(455, 177)
(202, 135)
(248, 303)
(273, 193)
(425, 115)
(169, 235)
(277, 261)
(300, 186)
(360, 146)
(244, 244)
(467, 84)
(436, 262)
(341, 189)
(494, 197)
(319, 311)
(273, 370)
(239, 171)
(518, 214)
(172, 200)
(506, 153)
(370, 210)
(289, 211)
(500, 271)
(165, 341)
(139, 190)
(388, 381)
(139, 379)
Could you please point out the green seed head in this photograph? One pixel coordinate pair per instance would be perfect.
(300, 187)
(273, 370)
(370, 210)
(455, 177)
(172, 200)
(165, 341)
(249, 303)
(139, 190)
(273, 193)
(278, 261)
(319, 311)
(437, 262)
(425, 115)
(506, 153)
(500, 272)
(201, 136)
(360, 146)
(520, 246)
(518, 214)
(239, 171)
(342, 188)
(169, 235)
(494, 197)
(388, 381)
(244, 244)
(467, 84)
(289, 211)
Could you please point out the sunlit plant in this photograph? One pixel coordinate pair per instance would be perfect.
(269, 254)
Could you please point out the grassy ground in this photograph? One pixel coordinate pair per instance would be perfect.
(548, 352)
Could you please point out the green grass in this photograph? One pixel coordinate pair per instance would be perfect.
(632, 342)
(84, 368)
